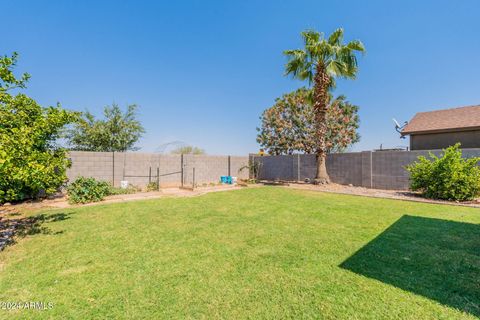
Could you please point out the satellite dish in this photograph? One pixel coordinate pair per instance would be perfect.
(399, 128)
(397, 125)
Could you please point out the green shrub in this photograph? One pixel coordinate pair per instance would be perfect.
(152, 186)
(84, 190)
(449, 177)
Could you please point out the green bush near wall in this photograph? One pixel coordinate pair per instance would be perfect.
(448, 177)
(84, 190)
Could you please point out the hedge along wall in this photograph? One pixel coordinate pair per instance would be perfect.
(371, 169)
(141, 168)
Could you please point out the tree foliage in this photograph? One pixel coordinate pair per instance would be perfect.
(30, 160)
(117, 132)
(7, 77)
(188, 150)
(289, 125)
(324, 54)
(448, 177)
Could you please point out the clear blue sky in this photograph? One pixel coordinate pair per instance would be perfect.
(203, 71)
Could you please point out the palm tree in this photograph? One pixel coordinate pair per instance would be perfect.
(321, 62)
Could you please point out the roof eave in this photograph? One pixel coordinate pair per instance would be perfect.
(406, 133)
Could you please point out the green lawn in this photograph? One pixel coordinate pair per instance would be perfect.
(257, 253)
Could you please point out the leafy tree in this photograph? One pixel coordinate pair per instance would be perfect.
(8, 79)
(117, 132)
(289, 125)
(30, 160)
(188, 150)
(321, 61)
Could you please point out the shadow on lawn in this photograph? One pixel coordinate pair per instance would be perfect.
(34, 225)
(25, 226)
(435, 258)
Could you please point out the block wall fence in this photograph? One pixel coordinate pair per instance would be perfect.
(370, 169)
(141, 168)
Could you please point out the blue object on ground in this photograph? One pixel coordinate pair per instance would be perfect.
(226, 179)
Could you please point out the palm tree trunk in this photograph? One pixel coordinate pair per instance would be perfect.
(320, 103)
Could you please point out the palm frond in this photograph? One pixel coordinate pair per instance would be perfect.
(356, 45)
(336, 37)
(311, 36)
(298, 65)
(336, 68)
(349, 59)
(294, 52)
(307, 73)
(323, 51)
(333, 83)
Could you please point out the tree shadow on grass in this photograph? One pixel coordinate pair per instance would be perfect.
(435, 258)
(35, 224)
(26, 226)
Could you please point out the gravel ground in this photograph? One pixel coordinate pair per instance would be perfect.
(377, 193)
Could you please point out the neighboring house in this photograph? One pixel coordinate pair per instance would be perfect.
(442, 128)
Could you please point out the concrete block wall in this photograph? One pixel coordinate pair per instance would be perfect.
(343, 168)
(273, 167)
(237, 163)
(379, 170)
(170, 167)
(346, 168)
(388, 169)
(95, 164)
(306, 166)
(206, 167)
(135, 167)
(366, 169)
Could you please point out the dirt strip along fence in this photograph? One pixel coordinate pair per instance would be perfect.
(140, 169)
(371, 169)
